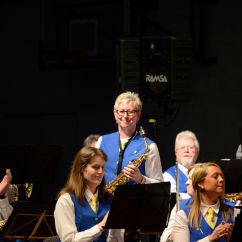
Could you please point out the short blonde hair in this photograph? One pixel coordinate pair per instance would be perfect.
(127, 97)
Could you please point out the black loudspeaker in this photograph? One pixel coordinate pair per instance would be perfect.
(156, 67)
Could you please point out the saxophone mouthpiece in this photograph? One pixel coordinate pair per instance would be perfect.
(141, 131)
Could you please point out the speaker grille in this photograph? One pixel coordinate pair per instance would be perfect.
(156, 67)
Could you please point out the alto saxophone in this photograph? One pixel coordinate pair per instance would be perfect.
(2, 223)
(121, 178)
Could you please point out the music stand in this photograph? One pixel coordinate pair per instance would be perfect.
(30, 163)
(142, 207)
(34, 222)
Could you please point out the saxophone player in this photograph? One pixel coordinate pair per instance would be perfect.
(126, 144)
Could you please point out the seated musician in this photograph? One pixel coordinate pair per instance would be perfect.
(207, 217)
(82, 207)
(167, 233)
(186, 151)
(8, 193)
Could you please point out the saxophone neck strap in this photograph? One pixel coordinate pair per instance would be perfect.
(122, 148)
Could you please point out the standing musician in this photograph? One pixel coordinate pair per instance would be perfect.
(125, 145)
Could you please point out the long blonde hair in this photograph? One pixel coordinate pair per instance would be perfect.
(198, 176)
(76, 183)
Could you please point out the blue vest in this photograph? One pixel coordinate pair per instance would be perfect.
(182, 178)
(184, 203)
(85, 218)
(205, 230)
(229, 203)
(110, 145)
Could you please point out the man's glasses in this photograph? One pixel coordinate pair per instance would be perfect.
(128, 113)
(186, 147)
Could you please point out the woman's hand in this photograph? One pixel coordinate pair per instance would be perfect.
(223, 230)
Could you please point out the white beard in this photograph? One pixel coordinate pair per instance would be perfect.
(187, 163)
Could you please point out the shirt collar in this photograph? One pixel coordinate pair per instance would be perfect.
(183, 168)
(204, 208)
(89, 194)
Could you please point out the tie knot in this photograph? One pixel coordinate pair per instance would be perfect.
(210, 218)
(123, 144)
(210, 211)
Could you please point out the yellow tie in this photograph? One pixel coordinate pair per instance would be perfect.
(93, 203)
(123, 144)
(210, 217)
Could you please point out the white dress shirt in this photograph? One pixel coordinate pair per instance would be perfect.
(5, 208)
(5, 203)
(168, 230)
(239, 153)
(168, 178)
(64, 215)
(181, 230)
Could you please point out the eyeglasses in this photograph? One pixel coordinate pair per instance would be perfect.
(128, 113)
(185, 147)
